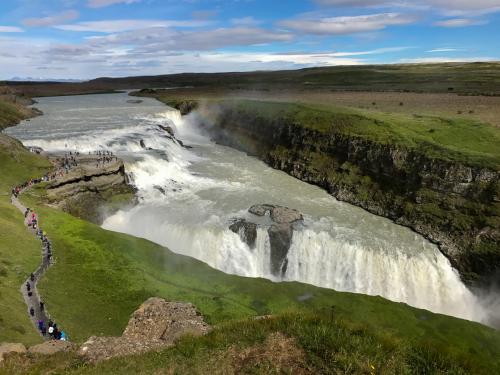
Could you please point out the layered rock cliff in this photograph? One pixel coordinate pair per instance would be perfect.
(92, 189)
(455, 205)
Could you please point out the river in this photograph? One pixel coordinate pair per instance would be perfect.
(188, 198)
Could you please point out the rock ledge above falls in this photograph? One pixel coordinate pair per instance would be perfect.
(283, 222)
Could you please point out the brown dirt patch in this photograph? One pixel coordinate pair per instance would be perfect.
(278, 354)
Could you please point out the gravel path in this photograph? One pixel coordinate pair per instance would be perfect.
(33, 301)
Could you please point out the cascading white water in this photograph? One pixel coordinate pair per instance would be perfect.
(188, 197)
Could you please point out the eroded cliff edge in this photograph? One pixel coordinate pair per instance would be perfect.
(455, 204)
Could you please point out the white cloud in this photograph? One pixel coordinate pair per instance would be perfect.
(348, 24)
(444, 50)
(245, 21)
(460, 22)
(114, 26)
(105, 3)
(54, 19)
(456, 7)
(443, 59)
(157, 40)
(10, 29)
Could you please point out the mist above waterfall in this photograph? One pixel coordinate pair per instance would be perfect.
(189, 196)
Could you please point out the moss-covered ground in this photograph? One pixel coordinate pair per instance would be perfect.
(455, 139)
(19, 251)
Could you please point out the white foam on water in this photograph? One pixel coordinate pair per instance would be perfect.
(187, 199)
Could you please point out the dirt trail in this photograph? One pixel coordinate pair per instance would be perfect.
(33, 301)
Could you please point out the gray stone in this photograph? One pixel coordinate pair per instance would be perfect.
(261, 209)
(246, 230)
(281, 215)
(280, 238)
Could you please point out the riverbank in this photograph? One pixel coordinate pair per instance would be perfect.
(440, 177)
(111, 274)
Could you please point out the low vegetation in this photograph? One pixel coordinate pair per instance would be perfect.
(460, 140)
(298, 343)
(19, 252)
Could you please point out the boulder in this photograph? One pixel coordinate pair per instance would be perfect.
(261, 209)
(246, 230)
(156, 324)
(283, 215)
(8, 348)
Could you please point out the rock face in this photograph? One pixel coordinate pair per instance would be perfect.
(156, 324)
(454, 205)
(89, 187)
(246, 230)
(280, 231)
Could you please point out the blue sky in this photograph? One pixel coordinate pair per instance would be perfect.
(92, 38)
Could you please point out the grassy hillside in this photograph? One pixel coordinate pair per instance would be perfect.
(462, 78)
(457, 139)
(292, 343)
(19, 251)
(100, 277)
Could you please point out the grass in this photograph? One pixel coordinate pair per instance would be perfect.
(19, 251)
(101, 277)
(9, 114)
(303, 343)
(460, 140)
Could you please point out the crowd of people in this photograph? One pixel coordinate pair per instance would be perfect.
(37, 311)
(105, 157)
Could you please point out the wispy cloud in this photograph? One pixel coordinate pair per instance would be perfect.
(10, 29)
(348, 24)
(460, 22)
(105, 3)
(442, 59)
(114, 26)
(245, 21)
(51, 20)
(440, 50)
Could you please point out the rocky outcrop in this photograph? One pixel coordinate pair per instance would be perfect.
(454, 205)
(52, 347)
(156, 324)
(9, 348)
(91, 189)
(280, 229)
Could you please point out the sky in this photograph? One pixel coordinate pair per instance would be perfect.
(84, 39)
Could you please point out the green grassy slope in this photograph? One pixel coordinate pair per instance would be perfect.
(101, 277)
(306, 343)
(19, 251)
(449, 139)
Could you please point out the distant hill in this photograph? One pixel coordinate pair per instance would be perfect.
(462, 78)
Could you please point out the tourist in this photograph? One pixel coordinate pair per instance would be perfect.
(28, 286)
(42, 306)
(51, 331)
(40, 324)
(32, 311)
(32, 277)
(43, 330)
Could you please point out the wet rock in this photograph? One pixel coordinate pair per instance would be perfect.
(142, 143)
(261, 209)
(168, 129)
(246, 230)
(283, 215)
(8, 348)
(156, 324)
(280, 238)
